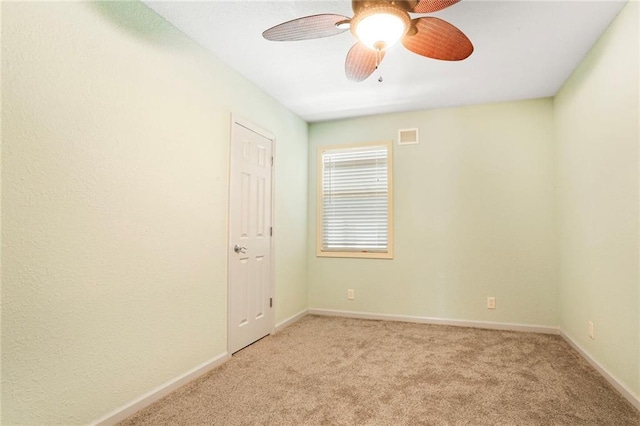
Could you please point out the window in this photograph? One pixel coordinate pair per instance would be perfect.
(355, 212)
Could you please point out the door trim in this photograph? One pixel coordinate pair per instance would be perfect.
(241, 121)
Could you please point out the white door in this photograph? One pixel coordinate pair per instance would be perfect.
(251, 310)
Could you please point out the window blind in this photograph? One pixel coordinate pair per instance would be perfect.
(355, 199)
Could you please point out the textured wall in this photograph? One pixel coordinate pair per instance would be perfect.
(473, 211)
(114, 195)
(597, 121)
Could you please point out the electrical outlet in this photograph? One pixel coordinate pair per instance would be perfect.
(491, 302)
(351, 294)
(591, 332)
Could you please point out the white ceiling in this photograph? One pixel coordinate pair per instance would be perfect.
(523, 50)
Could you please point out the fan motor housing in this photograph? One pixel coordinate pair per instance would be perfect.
(359, 5)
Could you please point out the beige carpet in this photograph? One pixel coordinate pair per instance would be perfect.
(324, 370)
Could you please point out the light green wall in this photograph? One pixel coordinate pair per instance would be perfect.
(597, 118)
(114, 194)
(474, 217)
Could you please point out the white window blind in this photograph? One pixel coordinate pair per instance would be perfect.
(355, 199)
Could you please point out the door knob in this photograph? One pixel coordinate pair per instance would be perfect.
(239, 249)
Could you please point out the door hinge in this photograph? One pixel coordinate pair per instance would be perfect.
(271, 231)
(271, 302)
(271, 161)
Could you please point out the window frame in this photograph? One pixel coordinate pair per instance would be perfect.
(388, 254)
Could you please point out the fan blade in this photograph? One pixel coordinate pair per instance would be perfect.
(361, 62)
(306, 28)
(438, 39)
(430, 6)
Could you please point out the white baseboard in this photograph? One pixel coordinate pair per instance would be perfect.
(439, 321)
(291, 320)
(152, 396)
(613, 381)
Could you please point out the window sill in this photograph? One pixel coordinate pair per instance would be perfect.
(355, 254)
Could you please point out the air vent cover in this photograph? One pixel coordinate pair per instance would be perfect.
(408, 136)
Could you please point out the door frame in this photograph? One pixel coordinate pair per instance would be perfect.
(241, 121)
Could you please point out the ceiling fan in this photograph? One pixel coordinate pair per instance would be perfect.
(378, 25)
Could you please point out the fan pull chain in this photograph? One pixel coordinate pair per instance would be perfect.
(378, 60)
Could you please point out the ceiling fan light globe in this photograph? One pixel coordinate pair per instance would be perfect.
(381, 29)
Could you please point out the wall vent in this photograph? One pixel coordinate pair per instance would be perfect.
(408, 136)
